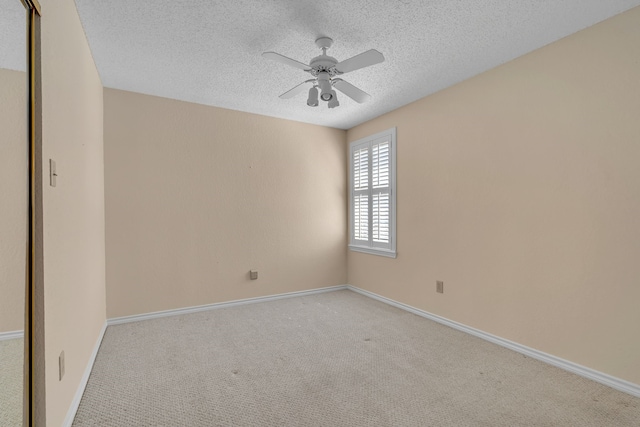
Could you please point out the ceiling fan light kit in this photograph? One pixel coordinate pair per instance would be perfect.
(313, 97)
(334, 100)
(324, 82)
(324, 69)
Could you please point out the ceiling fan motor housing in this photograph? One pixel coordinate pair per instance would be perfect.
(323, 63)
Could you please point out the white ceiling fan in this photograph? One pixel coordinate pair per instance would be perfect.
(324, 69)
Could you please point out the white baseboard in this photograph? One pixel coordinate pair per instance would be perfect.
(16, 334)
(196, 309)
(583, 371)
(75, 403)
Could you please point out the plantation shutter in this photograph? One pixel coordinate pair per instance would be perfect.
(370, 192)
(380, 194)
(361, 194)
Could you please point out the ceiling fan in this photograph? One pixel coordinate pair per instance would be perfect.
(324, 70)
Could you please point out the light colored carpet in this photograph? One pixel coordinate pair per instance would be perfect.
(11, 363)
(332, 359)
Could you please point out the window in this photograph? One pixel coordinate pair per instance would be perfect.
(372, 194)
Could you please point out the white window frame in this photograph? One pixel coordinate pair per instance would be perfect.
(371, 247)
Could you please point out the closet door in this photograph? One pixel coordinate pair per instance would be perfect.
(17, 170)
(14, 217)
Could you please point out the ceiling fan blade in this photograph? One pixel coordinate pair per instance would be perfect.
(365, 59)
(351, 91)
(292, 62)
(296, 90)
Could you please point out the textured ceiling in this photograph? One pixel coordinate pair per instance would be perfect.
(209, 52)
(13, 33)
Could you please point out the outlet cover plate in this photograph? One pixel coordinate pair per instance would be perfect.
(439, 286)
(53, 173)
(61, 365)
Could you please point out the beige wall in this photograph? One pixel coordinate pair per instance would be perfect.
(13, 204)
(520, 189)
(74, 269)
(197, 196)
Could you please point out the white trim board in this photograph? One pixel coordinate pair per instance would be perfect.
(583, 371)
(75, 403)
(199, 308)
(11, 335)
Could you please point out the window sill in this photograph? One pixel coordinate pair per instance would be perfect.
(373, 251)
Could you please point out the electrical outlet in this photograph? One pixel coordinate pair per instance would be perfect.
(61, 365)
(440, 286)
(253, 274)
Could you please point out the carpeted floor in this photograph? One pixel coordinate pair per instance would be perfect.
(11, 363)
(331, 359)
